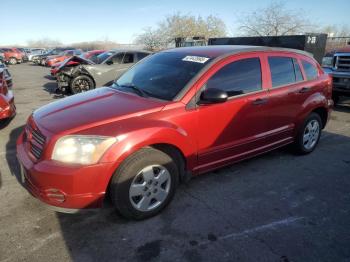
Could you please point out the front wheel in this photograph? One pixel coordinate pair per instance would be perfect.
(144, 184)
(309, 134)
(81, 84)
(13, 61)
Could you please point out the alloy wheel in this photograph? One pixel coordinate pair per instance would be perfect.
(82, 85)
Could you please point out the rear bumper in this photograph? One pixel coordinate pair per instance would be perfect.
(7, 105)
(63, 186)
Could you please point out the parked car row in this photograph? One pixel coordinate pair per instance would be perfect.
(13, 55)
(175, 114)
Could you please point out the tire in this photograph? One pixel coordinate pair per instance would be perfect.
(13, 61)
(81, 84)
(144, 184)
(309, 134)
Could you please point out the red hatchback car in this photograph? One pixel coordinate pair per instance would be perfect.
(175, 114)
(7, 101)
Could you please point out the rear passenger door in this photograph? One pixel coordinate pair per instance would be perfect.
(285, 96)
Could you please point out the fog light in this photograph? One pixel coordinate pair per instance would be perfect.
(55, 195)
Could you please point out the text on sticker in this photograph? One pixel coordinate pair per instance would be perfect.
(196, 59)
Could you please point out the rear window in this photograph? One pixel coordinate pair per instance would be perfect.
(310, 70)
(282, 71)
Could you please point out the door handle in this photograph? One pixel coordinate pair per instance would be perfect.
(260, 101)
(304, 90)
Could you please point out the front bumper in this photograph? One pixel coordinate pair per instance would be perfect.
(63, 186)
(7, 105)
(341, 82)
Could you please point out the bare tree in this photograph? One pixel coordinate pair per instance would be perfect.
(336, 30)
(152, 39)
(44, 42)
(179, 25)
(275, 19)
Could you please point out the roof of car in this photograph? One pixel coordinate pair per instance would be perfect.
(128, 50)
(214, 51)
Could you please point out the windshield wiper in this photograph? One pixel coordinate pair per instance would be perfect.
(135, 88)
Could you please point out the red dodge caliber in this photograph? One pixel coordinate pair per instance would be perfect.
(175, 114)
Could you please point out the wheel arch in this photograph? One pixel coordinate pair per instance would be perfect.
(323, 113)
(167, 140)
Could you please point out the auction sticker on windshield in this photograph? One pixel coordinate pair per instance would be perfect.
(196, 59)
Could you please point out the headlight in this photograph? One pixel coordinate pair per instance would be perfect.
(80, 149)
(327, 61)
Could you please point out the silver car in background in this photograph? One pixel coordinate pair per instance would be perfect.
(89, 75)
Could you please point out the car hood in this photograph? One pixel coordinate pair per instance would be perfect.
(78, 60)
(91, 109)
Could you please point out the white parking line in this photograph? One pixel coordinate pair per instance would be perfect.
(273, 225)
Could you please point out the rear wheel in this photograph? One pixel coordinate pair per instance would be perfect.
(13, 61)
(309, 134)
(144, 184)
(81, 84)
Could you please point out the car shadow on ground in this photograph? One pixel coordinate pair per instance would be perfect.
(11, 157)
(234, 205)
(50, 77)
(343, 105)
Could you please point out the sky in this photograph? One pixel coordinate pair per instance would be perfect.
(72, 21)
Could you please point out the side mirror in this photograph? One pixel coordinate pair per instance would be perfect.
(109, 62)
(213, 96)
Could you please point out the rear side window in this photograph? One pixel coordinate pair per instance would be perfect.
(240, 77)
(310, 70)
(282, 70)
(298, 74)
(118, 58)
(141, 56)
(128, 58)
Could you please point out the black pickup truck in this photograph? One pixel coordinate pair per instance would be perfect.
(337, 64)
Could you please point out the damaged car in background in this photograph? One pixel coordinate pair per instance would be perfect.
(7, 104)
(90, 55)
(88, 74)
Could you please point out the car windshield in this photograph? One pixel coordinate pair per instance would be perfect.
(102, 57)
(162, 75)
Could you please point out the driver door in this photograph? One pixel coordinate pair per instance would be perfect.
(235, 129)
(106, 72)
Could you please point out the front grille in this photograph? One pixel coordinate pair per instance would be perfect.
(342, 62)
(36, 141)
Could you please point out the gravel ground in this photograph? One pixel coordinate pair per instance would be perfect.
(276, 207)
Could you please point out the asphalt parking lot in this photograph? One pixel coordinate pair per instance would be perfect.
(276, 207)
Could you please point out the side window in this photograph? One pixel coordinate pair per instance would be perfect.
(297, 71)
(141, 56)
(118, 58)
(310, 70)
(240, 77)
(128, 58)
(282, 70)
